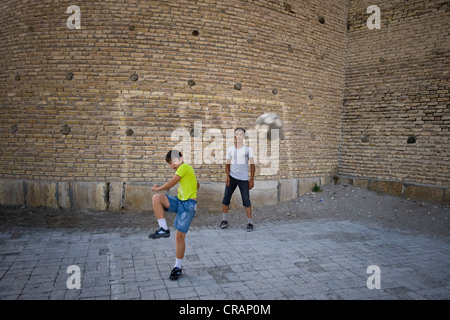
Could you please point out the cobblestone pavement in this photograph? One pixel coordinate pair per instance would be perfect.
(314, 259)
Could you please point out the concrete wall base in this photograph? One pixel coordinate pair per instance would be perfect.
(117, 196)
(428, 193)
(122, 196)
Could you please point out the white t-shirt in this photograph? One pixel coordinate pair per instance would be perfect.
(239, 161)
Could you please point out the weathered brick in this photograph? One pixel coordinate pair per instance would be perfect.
(396, 88)
(100, 103)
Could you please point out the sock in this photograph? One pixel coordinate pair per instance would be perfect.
(249, 220)
(224, 216)
(163, 224)
(178, 263)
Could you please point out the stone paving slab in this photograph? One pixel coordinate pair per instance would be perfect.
(313, 260)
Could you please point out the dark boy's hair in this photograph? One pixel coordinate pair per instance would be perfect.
(239, 129)
(173, 154)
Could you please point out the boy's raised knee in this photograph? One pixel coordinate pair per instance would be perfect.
(156, 198)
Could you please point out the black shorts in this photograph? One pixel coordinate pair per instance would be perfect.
(243, 187)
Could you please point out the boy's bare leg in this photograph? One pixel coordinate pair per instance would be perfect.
(248, 211)
(225, 208)
(160, 202)
(179, 254)
(180, 244)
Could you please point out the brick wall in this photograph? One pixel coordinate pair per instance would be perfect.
(100, 103)
(396, 114)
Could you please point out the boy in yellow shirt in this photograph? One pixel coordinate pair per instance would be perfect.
(184, 205)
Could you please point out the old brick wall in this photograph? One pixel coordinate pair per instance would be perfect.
(396, 114)
(88, 114)
(100, 103)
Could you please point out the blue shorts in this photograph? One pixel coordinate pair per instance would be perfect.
(185, 211)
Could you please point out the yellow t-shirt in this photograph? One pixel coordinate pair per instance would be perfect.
(187, 186)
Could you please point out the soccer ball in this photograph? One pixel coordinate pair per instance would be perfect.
(267, 122)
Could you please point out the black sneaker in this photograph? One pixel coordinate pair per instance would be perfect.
(160, 233)
(249, 227)
(175, 274)
(223, 224)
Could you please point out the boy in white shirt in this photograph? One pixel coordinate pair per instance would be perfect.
(238, 158)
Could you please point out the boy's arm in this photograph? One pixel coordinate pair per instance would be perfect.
(168, 184)
(227, 171)
(228, 166)
(251, 182)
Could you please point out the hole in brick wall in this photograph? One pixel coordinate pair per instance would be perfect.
(365, 139)
(411, 140)
(250, 41)
(382, 60)
(194, 132)
(17, 77)
(65, 130)
(311, 97)
(291, 50)
(13, 128)
(195, 32)
(131, 28)
(134, 77)
(321, 19)
(129, 132)
(31, 28)
(191, 83)
(69, 76)
(288, 7)
(238, 86)
(274, 91)
(348, 25)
